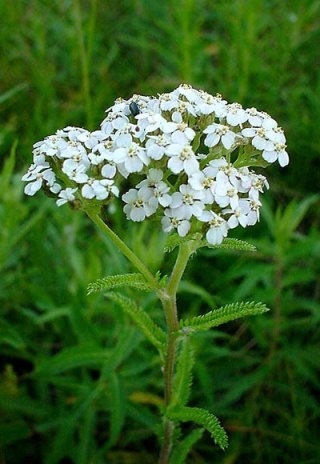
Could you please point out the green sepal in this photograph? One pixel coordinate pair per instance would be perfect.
(152, 331)
(182, 449)
(134, 280)
(230, 244)
(183, 376)
(222, 315)
(203, 418)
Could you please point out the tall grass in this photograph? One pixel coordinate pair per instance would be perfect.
(65, 62)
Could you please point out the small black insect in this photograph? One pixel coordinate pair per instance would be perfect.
(134, 108)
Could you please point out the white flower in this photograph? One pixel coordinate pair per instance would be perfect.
(256, 186)
(180, 132)
(66, 195)
(212, 104)
(191, 94)
(133, 157)
(156, 145)
(277, 153)
(39, 174)
(108, 171)
(175, 150)
(119, 106)
(74, 151)
(270, 139)
(114, 121)
(259, 137)
(47, 147)
(217, 132)
(174, 219)
(138, 206)
(80, 137)
(182, 158)
(205, 181)
(254, 213)
(239, 215)
(218, 227)
(179, 101)
(168, 101)
(236, 115)
(150, 122)
(189, 201)
(75, 171)
(101, 152)
(155, 188)
(226, 192)
(122, 138)
(255, 117)
(99, 189)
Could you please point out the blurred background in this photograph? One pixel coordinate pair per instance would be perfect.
(78, 382)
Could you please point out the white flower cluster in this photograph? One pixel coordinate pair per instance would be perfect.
(183, 157)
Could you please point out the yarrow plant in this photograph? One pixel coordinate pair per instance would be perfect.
(182, 160)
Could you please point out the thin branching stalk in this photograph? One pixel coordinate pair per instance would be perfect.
(125, 250)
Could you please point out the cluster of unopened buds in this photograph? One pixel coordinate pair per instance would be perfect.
(181, 157)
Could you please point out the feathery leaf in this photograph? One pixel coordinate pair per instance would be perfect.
(174, 240)
(222, 315)
(152, 331)
(231, 244)
(183, 376)
(203, 418)
(135, 280)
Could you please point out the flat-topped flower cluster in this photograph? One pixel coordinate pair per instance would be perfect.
(181, 157)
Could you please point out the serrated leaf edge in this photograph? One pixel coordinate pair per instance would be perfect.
(222, 315)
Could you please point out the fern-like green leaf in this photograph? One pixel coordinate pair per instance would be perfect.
(134, 280)
(203, 418)
(182, 449)
(231, 244)
(183, 376)
(174, 240)
(222, 315)
(151, 330)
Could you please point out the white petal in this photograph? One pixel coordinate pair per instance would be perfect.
(283, 158)
(183, 228)
(137, 214)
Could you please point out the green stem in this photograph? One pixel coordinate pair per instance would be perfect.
(168, 298)
(125, 250)
(169, 303)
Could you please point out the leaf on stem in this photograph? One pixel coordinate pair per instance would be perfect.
(183, 377)
(203, 418)
(182, 449)
(222, 315)
(152, 331)
(231, 244)
(174, 240)
(134, 280)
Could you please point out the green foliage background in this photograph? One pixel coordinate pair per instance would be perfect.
(79, 383)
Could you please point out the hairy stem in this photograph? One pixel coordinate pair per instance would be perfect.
(169, 303)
